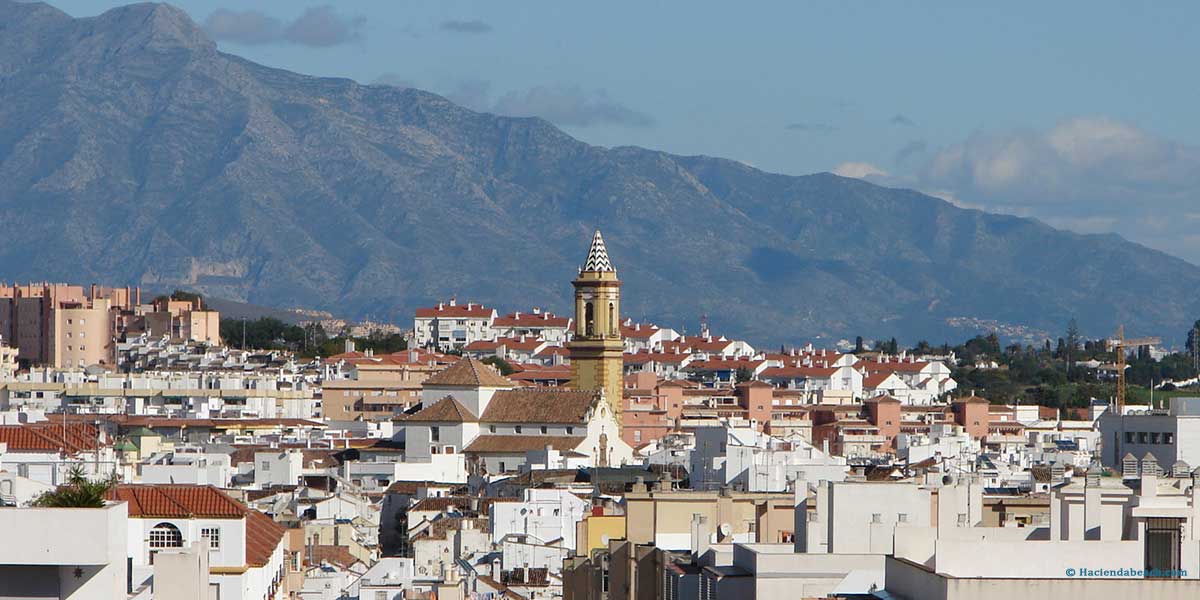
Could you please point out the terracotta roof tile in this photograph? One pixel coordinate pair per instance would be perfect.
(539, 405)
(338, 556)
(263, 536)
(446, 410)
(469, 372)
(177, 501)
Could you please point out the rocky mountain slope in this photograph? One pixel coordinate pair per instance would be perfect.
(133, 151)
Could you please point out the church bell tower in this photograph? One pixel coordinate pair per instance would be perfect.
(596, 349)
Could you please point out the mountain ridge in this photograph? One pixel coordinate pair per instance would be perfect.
(152, 158)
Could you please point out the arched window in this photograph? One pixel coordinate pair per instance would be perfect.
(589, 319)
(165, 535)
(612, 319)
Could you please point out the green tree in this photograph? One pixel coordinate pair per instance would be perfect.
(501, 365)
(77, 492)
(1071, 343)
(743, 374)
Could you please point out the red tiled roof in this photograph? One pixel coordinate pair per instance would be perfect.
(177, 501)
(888, 367)
(470, 373)
(263, 536)
(539, 405)
(446, 410)
(874, 380)
(338, 556)
(458, 310)
(48, 436)
(531, 320)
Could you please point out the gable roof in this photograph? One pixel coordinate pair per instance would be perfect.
(177, 501)
(469, 372)
(47, 436)
(263, 535)
(539, 405)
(446, 410)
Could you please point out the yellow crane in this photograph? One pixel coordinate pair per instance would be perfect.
(1119, 345)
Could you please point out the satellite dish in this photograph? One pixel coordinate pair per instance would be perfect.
(724, 529)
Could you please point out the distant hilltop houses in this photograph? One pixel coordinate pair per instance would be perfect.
(538, 455)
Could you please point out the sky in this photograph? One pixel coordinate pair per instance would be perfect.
(1081, 114)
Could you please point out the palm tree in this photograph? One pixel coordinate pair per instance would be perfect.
(77, 492)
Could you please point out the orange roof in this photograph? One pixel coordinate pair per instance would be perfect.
(889, 366)
(177, 501)
(470, 373)
(446, 410)
(47, 436)
(874, 380)
(263, 536)
(531, 320)
(539, 405)
(469, 309)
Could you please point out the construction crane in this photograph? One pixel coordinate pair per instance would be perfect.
(1119, 345)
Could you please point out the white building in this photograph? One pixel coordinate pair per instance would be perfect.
(538, 532)
(1169, 435)
(748, 460)
(470, 411)
(246, 547)
(67, 553)
(451, 325)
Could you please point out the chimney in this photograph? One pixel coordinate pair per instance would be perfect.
(496, 569)
(441, 305)
(517, 315)
(537, 310)
(349, 347)
(700, 534)
(453, 300)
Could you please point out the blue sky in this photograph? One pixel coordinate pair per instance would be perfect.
(1082, 114)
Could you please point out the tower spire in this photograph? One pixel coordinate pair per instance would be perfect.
(597, 259)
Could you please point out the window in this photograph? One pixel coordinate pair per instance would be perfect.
(637, 435)
(876, 518)
(1168, 438)
(902, 517)
(1154, 437)
(1141, 437)
(381, 595)
(165, 535)
(266, 466)
(544, 430)
(213, 535)
(517, 429)
(1128, 437)
(435, 434)
(434, 450)
(448, 449)
(492, 428)
(570, 430)
(962, 519)
(502, 469)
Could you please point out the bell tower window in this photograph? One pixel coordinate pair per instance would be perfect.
(589, 319)
(612, 318)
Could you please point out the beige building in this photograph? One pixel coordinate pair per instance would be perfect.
(62, 325)
(664, 518)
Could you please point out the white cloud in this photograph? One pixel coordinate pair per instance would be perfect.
(1087, 174)
(859, 170)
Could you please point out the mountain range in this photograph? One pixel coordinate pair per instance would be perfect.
(133, 151)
